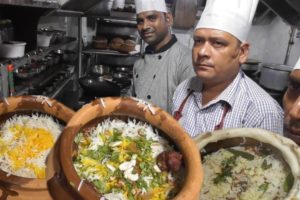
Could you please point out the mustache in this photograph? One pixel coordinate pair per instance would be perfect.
(148, 30)
(198, 63)
(292, 124)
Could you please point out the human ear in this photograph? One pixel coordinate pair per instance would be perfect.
(169, 19)
(244, 52)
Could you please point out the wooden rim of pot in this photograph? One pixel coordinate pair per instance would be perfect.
(141, 110)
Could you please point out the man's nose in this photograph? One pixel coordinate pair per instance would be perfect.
(204, 49)
(294, 112)
(145, 25)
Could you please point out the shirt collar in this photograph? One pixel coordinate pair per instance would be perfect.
(150, 50)
(228, 95)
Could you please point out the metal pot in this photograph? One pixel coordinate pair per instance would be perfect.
(124, 69)
(100, 70)
(99, 86)
(275, 76)
(65, 55)
(122, 77)
(12, 49)
(117, 60)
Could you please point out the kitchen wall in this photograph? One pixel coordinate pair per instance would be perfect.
(269, 42)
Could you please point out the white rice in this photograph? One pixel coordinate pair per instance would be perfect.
(7, 137)
(245, 172)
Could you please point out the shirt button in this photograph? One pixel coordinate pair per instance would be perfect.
(154, 76)
(159, 57)
(148, 97)
(136, 76)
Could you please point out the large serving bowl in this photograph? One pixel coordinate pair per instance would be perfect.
(227, 138)
(16, 187)
(65, 183)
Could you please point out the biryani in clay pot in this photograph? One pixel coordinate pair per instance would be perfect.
(124, 149)
(29, 128)
(249, 163)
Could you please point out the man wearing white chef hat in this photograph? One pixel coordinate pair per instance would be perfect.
(166, 62)
(291, 104)
(221, 95)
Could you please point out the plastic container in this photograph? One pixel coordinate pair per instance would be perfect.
(12, 49)
(43, 40)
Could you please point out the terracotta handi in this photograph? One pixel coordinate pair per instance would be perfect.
(267, 144)
(65, 183)
(16, 187)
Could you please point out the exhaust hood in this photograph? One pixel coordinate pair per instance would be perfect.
(77, 7)
(288, 10)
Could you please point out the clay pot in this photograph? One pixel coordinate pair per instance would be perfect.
(211, 142)
(63, 181)
(20, 188)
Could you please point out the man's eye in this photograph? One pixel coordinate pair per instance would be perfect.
(139, 21)
(152, 18)
(198, 41)
(294, 86)
(218, 44)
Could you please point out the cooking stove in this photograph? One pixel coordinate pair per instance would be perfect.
(48, 83)
(85, 97)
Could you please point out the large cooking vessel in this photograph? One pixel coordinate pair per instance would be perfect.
(65, 183)
(275, 76)
(117, 60)
(99, 86)
(227, 138)
(16, 187)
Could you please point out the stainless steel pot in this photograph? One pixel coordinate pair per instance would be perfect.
(116, 60)
(100, 70)
(275, 76)
(124, 69)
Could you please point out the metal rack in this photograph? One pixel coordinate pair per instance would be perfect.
(124, 19)
(36, 54)
(31, 3)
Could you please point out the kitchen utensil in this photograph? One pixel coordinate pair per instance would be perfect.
(275, 76)
(116, 60)
(212, 142)
(68, 185)
(43, 40)
(100, 70)
(124, 69)
(122, 77)
(99, 87)
(12, 49)
(29, 188)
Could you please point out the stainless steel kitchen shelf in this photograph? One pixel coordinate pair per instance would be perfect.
(108, 52)
(62, 86)
(31, 3)
(36, 54)
(65, 13)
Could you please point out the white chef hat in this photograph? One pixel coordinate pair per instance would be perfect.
(150, 5)
(297, 66)
(232, 16)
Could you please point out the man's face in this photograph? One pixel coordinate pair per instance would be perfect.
(291, 104)
(217, 55)
(154, 26)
